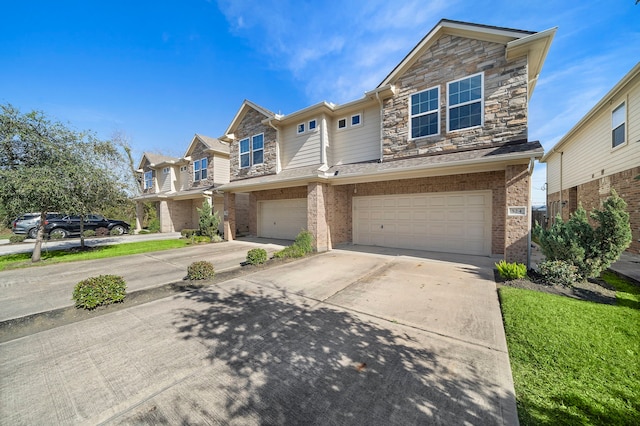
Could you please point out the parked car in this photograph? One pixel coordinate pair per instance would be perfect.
(27, 224)
(66, 226)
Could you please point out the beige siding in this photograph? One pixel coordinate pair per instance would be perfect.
(356, 144)
(588, 154)
(164, 180)
(183, 180)
(220, 169)
(300, 150)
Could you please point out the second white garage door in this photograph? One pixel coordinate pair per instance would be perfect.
(454, 222)
(282, 218)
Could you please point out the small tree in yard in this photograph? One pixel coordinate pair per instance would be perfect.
(208, 221)
(591, 250)
(47, 167)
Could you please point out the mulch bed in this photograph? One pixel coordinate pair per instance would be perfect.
(593, 290)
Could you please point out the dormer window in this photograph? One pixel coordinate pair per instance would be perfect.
(200, 169)
(165, 171)
(148, 179)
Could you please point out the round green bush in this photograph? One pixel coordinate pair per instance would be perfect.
(256, 256)
(14, 239)
(100, 290)
(89, 233)
(559, 272)
(200, 270)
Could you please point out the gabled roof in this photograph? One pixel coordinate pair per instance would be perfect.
(212, 144)
(156, 160)
(519, 43)
(604, 103)
(246, 106)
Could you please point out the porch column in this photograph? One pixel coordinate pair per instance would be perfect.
(317, 215)
(139, 215)
(517, 227)
(164, 214)
(229, 216)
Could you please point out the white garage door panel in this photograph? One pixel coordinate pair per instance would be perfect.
(457, 222)
(282, 218)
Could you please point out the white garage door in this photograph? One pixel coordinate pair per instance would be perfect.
(282, 218)
(453, 222)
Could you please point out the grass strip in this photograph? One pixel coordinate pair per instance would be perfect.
(23, 260)
(573, 362)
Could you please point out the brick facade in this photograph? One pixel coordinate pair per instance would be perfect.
(592, 194)
(452, 58)
(517, 184)
(250, 125)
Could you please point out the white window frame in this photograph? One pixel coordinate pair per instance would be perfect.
(312, 125)
(183, 169)
(460, 104)
(300, 128)
(253, 150)
(344, 119)
(429, 112)
(200, 169)
(359, 123)
(247, 152)
(148, 181)
(165, 171)
(616, 125)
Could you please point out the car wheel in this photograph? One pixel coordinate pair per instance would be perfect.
(119, 229)
(33, 233)
(58, 234)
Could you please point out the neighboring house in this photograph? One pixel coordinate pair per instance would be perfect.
(600, 153)
(179, 186)
(434, 158)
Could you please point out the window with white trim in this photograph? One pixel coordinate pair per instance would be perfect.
(465, 103)
(618, 121)
(424, 113)
(356, 120)
(165, 171)
(300, 128)
(200, 169)
(342, 123)
(313, 124)
(183, 168)
(252, 151)
(148, 179)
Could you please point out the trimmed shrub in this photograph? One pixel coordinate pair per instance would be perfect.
(15, 239)
(100, 290)
(292, 251)
(199, 239)
(591, 250)
(511, 271)
(559, 272)
(188, 233)
(200, 270)
(256, 256)
(89, 233)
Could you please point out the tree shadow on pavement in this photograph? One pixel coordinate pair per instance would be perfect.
(285, 359)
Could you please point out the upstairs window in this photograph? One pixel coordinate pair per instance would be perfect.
(465, 103)
(356, 119)
(312, 125)
(300, 128)
(165, 171)
(342, 123)
(618, 120)
(148, 180)
(200, 169)
(425, 120)
(183, 168)
(252, 151)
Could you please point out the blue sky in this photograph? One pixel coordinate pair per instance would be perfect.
(160, 71)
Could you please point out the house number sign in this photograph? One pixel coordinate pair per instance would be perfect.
(517, 211)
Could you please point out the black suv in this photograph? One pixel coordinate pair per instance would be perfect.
(70, 225)
(27, 224)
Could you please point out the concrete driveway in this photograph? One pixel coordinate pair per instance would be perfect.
(345, 337)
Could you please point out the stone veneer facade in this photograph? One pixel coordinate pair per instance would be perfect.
(199, 152)
(592, 194)
(250, 125)
(451, 58)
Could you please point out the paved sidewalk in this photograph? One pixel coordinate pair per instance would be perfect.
(43, 288)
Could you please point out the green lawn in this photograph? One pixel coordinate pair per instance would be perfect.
(58, 256)
(574, 362)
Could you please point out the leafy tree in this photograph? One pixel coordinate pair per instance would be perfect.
(590, 249)
(208, 221)
(45, 166)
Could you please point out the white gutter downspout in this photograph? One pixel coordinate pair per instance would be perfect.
(381, 125)
(278, 167)
(530, 208)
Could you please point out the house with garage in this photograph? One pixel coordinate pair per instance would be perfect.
(601, 152)
(436, 157)
(179, 186)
